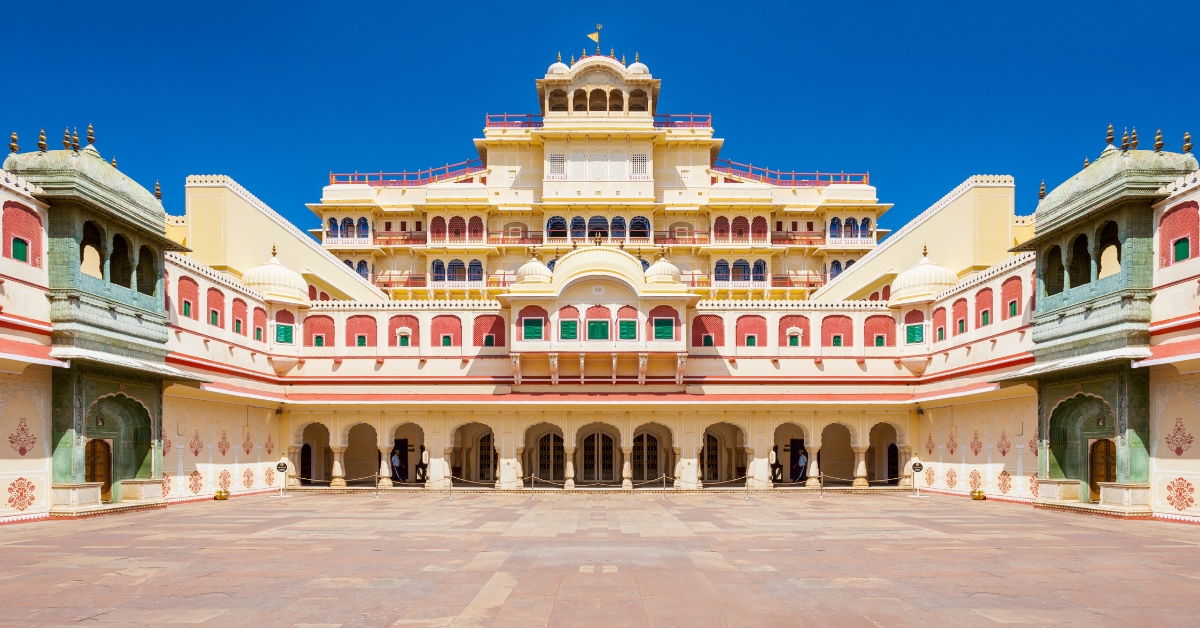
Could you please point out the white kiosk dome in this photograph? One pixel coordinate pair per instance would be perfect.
(534, 271)
(662, 271)
(921, 283)
(277, 282)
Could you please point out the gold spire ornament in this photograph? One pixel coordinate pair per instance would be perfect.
(596, 37)
(157, 190)
(75, 140)
(1187, 142)
(91, 135)
(1085, 162)
(1042, 191)
(560, 56)
(1133, 139)
(635, 57)
(67, 138)
(924, 250)
(612, 53)
(114, 161)
(1158, 143)
(572, 59)
(42, 140)
(1125, 139)
(583, 55)
(272, 250)
(623, 60)
(12, 146)
(1109, 138)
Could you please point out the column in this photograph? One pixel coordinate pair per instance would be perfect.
(689, 468)
(814, 469)
(293, 470)
(385, 468)
(447, 469)
(758, 469)
(339, 473)
(678, 467)
(626, 468)
(860, 467)
(569, 469)
(510, 474)
(906, 472)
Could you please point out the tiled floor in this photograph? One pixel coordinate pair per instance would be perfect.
(583, 560)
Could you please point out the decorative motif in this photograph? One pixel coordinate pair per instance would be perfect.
(21, 439)
(167, 444)
(930, 476)
(247, 446)
(1178, 439)
(195, 482)
(269, 446)
(196, 444)
(951, 444)
(269, 476)
(20, 494)
(1004, 482)
(976, 480)
(976, 444)
(951, 478)
(1179, 494)
(1033, 485)
(929, 446)
(223, 445)
(224, 480)
(166, 485)
(1003, 445)
(248, 478)
(1033, 446)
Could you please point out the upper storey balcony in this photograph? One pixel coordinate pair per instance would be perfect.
(449, 172)
(749, 172)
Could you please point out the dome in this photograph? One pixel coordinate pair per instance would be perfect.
(558, 67)
(534, 271)
(662, 271)
(637, 67)
(921, 283)
(276, 282)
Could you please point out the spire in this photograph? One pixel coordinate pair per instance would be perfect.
(42, 140)
(612, 53)
(114, 161)
(272, 250)
(572, 59)
(1158, 143)
(1085, 162)
(1109, 138)
(1042, 191)
(1125, 139)
(583, 55)
(560, 56)
(1187, 142)
(12, 146)
(623, 60)
(75, 140)
(91, 135)
(157, 191)
(924, 250)
(1133, 139)
(635, 57)
(67, 138)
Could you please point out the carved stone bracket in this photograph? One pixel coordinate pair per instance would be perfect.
(643, 362)
(516, 369)
(553, 368)
(680, 363)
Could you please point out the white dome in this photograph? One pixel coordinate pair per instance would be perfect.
(662, 271)
(534, 271)
(558, 67)
(276, 282)
(921, 283)
(637, 67)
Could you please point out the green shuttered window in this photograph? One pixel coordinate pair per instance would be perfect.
(627, 330)
(283, 334)
(1183, 249)
(531, 328)
(597, 330)
(568, 330)
(914, 334)
(664, 329)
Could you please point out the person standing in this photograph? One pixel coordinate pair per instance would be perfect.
(396, 477)
(803, 463)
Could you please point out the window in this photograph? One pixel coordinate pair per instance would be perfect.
(531, 328)
(1183, 249)
(187, 308)
(837, 340)
(568, 330)
(627, 330)
(283, 334)
(639, 164)
(214, 318)
(708, 340)
(318, 341)
(20, 250)
(794, 340)
(664, 329)
(1012, 307)
(489, 340)
(962, 325)
(558, 165)
(417, 227)
(985, 318)
(360, 340)
(880, 339)
(779, 225)
(237, 325)
(447, 340)
(258, 334)
(597, 330)
(914, 334)
(751, 340)
(402, 340)
(941, 333)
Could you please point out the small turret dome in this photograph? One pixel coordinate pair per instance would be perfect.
(277, 282)
(558, 67)
(662, 271)
(637, 67)
(534, 271)
(921, 283)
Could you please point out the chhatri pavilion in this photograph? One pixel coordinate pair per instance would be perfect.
(598, 299)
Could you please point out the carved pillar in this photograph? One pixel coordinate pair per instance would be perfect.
(678, 467)
(569, 468)
(860, 467)
(293, 470)
(626, 468)
(447, 468)
(906, 472)
(814, 468)
(339, 473)
(385, 467)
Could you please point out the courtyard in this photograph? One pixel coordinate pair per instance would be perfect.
(600, 559)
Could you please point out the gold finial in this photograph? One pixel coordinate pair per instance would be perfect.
(1085, 162)
(635, 57)
(1187, 142)
(67, 138)
(612, 53)
(114, 161)
(157, 190)
(1158, 143)
(924, 250)
(91, 135)
(12, 146)
(75, 139)
(583, 55)
(1042, 191)
(1133, 139)
(272, 250)
(1109, 138)
(599, 238)
(623, 60)
(1125, 139)
(42, 140)
(560, 56)
(572, 59)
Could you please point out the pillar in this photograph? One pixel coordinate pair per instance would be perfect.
(569, 468)
(339, 468)
(626, 468)
(860, 467)
(814, 469)
(510, 476)
(689, 468)
(385, 467)
(906, 472)
(293, 471)
(678, 467)
(758, 467)
(447, 469)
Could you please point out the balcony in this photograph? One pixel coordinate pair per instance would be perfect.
(513, 121)
(727, 238)
(787, 179)
(460, 239)
(406, 179)
(806, 281)
(515, 238)
(344, 241)
(798, 238)
(400, 238)
(387, 281)
(682, 120)
(851, 241)
(583, 240)
(666, 237)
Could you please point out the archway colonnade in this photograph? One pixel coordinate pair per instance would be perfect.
(508, 450)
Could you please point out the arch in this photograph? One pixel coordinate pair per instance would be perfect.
(598, 453)
(721, 228)
(758, 228)
(401, 325)
(850, 228)
(791, 443)
(740, 229)
(721, 270)
(147, 276)
(835, 227)
(475, 228)
(437, 228)
(750, 331)
(833, 327)
(578, 227)
(914, 317)
(1073, 423)
(597, 225)
(879, 326)
(364, 228)
(125, 421)
(318, 326)
(794, 325)
(849, 263)
(958, 311)
(741, 270)
(316, 457)
(437, 268)
(486, 325)
(362, 269)
(333, 228)
(616, 100)
(835, 269)
(558, 100)
(939, 323)
(362, 325)
(597, 313)
(361, 459)
(708, 330)
(882, 439)
(312, 292)
(759, 273)
(456, 229)
(348, 228)
(639, 228)
(260, 323)
(1010, 296)
(1178, 233)
(545, 452)
(639, 101)
(579, 102)
(649, 457)
(474, 457)
(406, 445)
(189, 297)
(985, 310)
(618, 228)
(536, 312)
(214, 308)
(91, 247)
(1080, 270)
(1109, 262)
(864, 228)
(597, 100)
(285, 317)
(446, 330)
(887, 292)
(456, 270)
(556, 227)
(120, 270)
(836, 454)
(661, 312)
(732, 457)
(475, 270)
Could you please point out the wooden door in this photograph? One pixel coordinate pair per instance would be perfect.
(98, 466)
(1102, 467)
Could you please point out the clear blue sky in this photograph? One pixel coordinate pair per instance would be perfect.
(278, 94)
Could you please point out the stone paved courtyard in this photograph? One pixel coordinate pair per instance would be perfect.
(600, 560)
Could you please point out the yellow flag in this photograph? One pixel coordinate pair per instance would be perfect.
(594, 36)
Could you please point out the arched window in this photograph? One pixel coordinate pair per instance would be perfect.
(347, 228)
(1110, 251)
(438, 270)
(740, 229)
(349, 264)
(598, 100)
(758, 228)
(849, 263)
(457, 229)
(120, 271)
(90, 261)
(556, 227)
(598, 166)
(722, 270)
(578, 227)
(146, 277)
(1052, 270)
(579, 100)
(864, 229)
(835, 268)
(638, 101)
(558, 100)
(1081, 262)
(639, 227)
(760, 270)
(456, 270)
(618, 227)
(597, 225)
(333, 228)
(721, 229)
(363, 270)
(364, 228)
(437, 228)
(475, 228)
(616, 100)
(475, 271)
(741, 270)
(835, 228)
(850, 230)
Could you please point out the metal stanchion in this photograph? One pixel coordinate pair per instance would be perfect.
(532, 485)
(376, 486)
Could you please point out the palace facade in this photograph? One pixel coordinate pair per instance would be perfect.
(599, 299)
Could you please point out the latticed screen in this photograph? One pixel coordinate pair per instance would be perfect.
(639, 164)
(558, 164)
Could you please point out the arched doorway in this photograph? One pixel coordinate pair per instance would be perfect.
(836, 458)
(408, 442)
(597, 453)
(306, 464)
(1075, 425)
(879, 455)
(474, 458)
(119, 443)
(320, 456)
(723, 454)
(98, 466)
(646, 457)
(1102, 467)
(361, 459)
(791, 454)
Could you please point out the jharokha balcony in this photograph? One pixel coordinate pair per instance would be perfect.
(805, 281)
